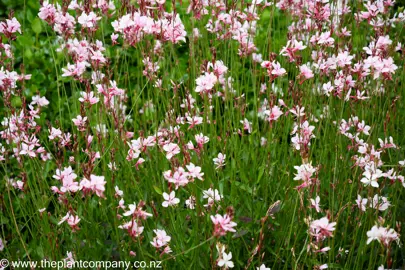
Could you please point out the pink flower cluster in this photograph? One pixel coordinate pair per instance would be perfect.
(134, 26)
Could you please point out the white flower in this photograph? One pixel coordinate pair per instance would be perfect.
(118, 192)
(226, 260)
(373, 234)
(370, 177)
(361, 203)
(170, 199)
(263, 267)
(190, 202)
(1, 244)
(315, 204)
(212, 196)
(304, 172)
(382, 235)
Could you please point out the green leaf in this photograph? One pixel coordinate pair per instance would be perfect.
(40, 252)
(16, 102)
(4, 221)
(25, 40)
(261, 171)
(158, 190)
(28, 53)
(244, 187)
(36, 26)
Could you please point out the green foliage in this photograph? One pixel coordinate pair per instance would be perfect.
(254, 177)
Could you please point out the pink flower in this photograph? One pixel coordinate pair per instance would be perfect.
(161, 239)
(327, 88)
(55, 133)
(88, 20)
(67, 177)
(219, 67)
(139, 162)
(266, 64)
(306, 72)
(28, 150)
(16, 184)
(40, 101)
(64, 218)
(47, 12)
(201, 139)
(344, 59)
(304, 172)
(263, 267)
(325, 39)
(104, 5)
(134, 229)
(96, 184)
(274, 69)
(321, 228)
(257, 58)
(69, 260)
(291, 48)
(194, 171)
(247, 125)
(387, 144)
(219, 161)
(298, 111)
(132, 253)
(118, 192)
(193, 121)
(75, 70)
(66, 173)
(173, 28)
(389, 66)
(80, 122)
(71, 220)
(179, 177)
(74, 5)
(10, 27)
(196, 33)
(114, 38)
(137, 212)
(273, 114)
(98, 57)
(206, 82)
(88, 97)
(303, 135)
(379, 202)
(166, 250)
(171, 149)
(222, 224)
(277, 69)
